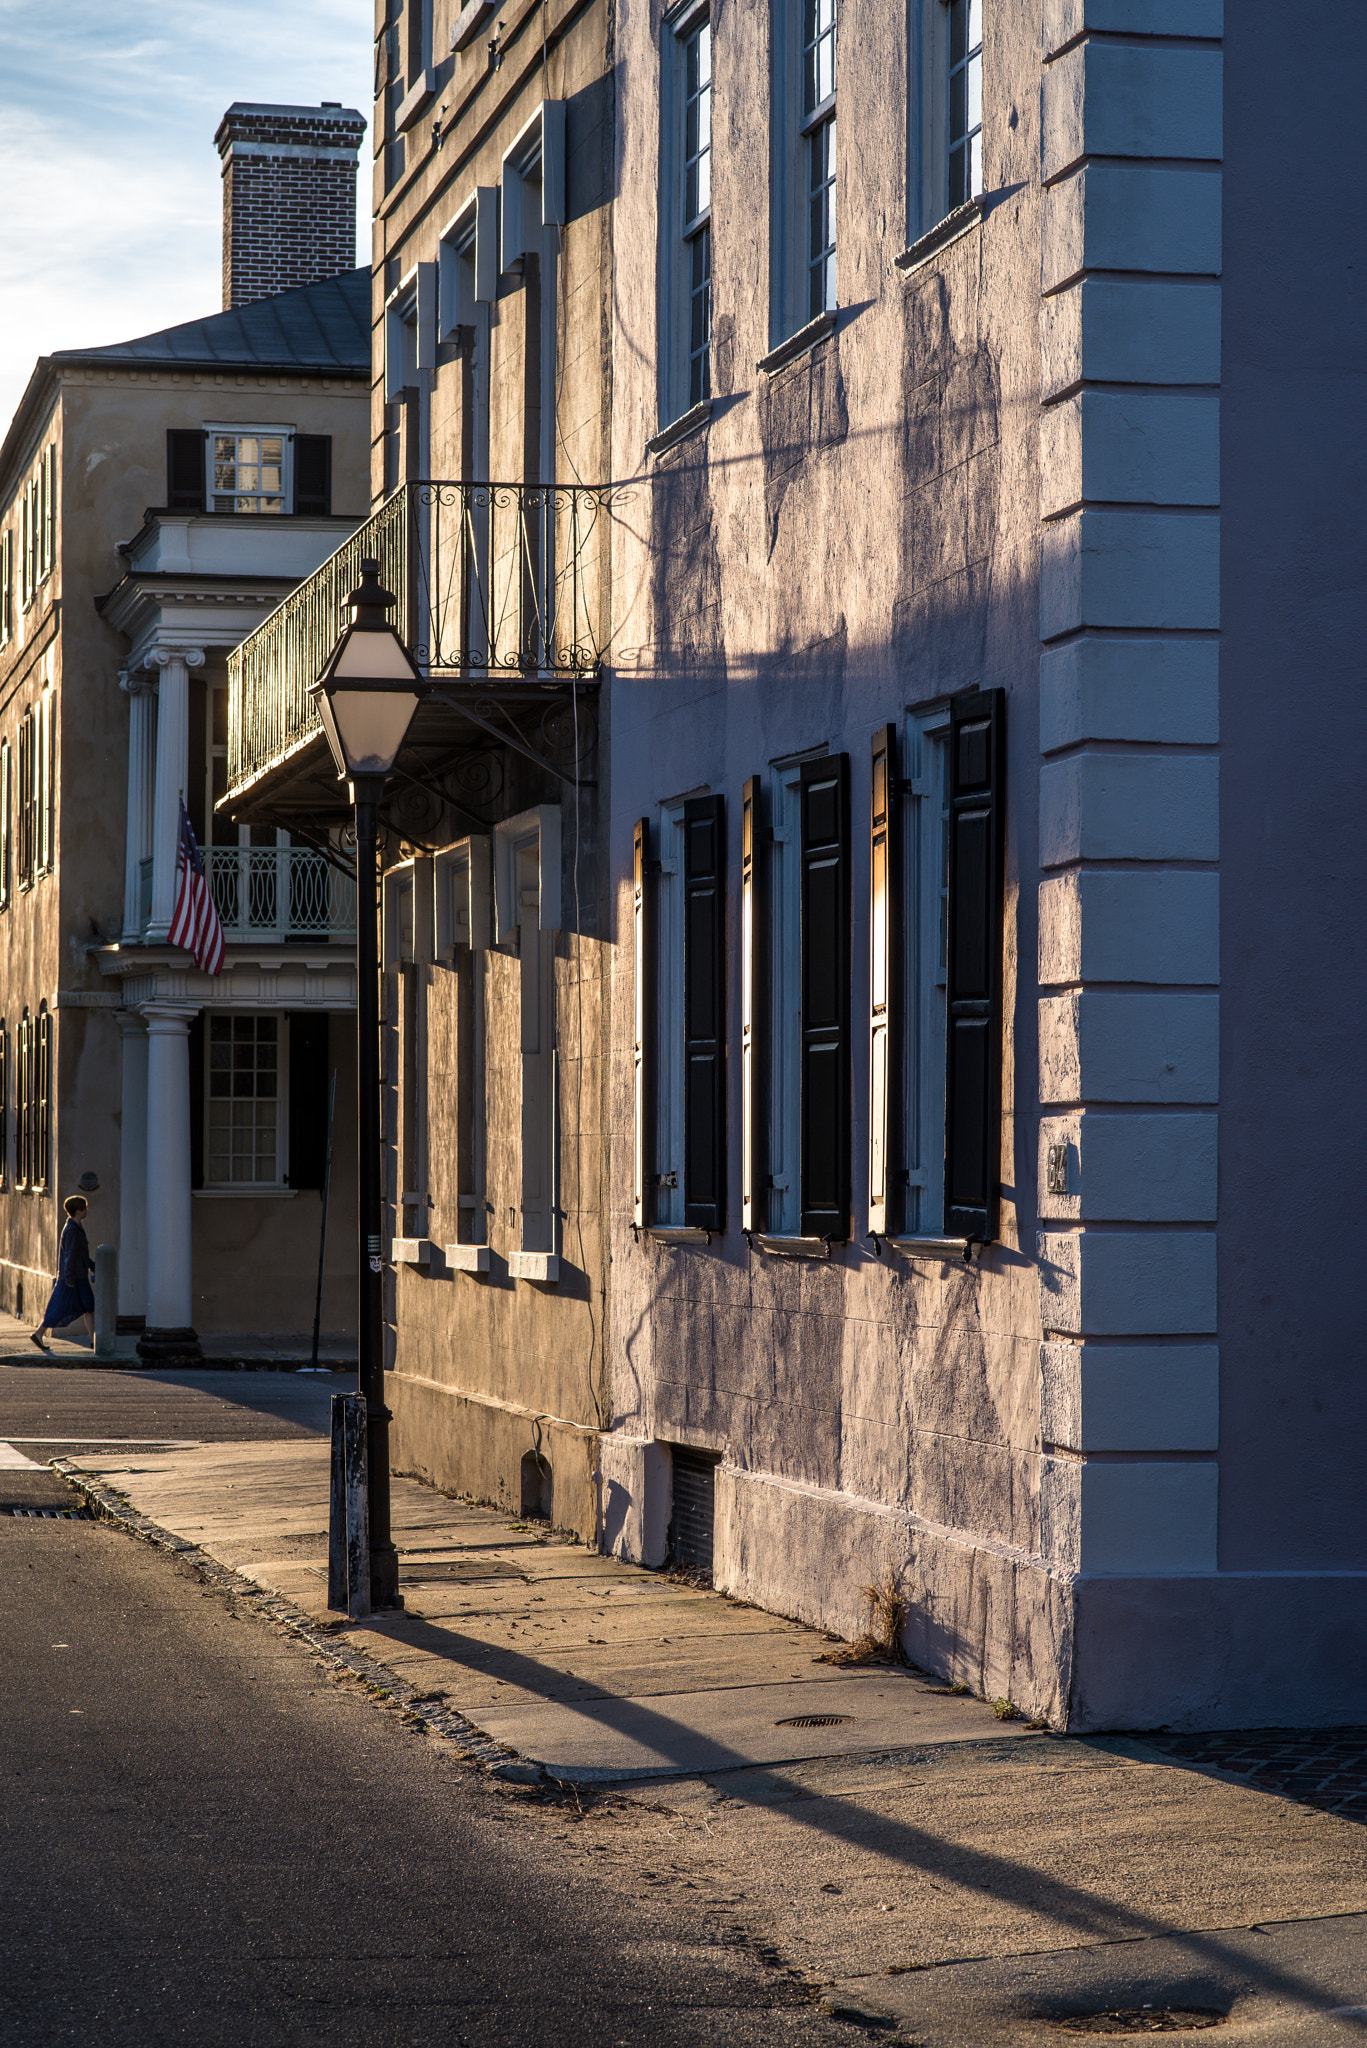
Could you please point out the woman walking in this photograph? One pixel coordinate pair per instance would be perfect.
(72, 1296)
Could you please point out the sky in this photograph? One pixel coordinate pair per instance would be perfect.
(110, 193)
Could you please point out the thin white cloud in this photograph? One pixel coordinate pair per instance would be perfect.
(112, 205)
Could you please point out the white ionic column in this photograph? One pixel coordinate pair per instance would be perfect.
(169, 1292)
(138, 846)
(173, 745)
(133, 1167)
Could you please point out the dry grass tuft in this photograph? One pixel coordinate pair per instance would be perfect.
(881, 1640)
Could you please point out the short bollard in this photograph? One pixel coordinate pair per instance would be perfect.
(106, 1301)
(348, 1513)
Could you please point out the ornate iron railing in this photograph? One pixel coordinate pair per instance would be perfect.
(273, 892)
(492, 579)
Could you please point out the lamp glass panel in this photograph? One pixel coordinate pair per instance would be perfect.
(370, 725)
(367, 653)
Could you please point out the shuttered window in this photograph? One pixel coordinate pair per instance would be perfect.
(4, 1103)
(885, 1009)
(6, 823)
(23, 1163)
(643, 1066)
(185, 456)
(25, 806)
(313, 474)
(309, 1077)
(45, 784)
(754, 985)
(42, 1100)
(6, 584)
(825, 987)
(704, 1012)
(973, 992)
(48, 535)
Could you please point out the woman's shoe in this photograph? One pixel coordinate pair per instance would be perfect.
(34, 1338)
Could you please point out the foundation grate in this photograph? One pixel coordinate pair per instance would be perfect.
(814, 1721)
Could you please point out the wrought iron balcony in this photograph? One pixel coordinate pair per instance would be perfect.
(269, 892)
(492, 580)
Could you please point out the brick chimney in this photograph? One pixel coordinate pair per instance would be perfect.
(289, 196)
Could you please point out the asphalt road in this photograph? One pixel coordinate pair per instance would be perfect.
(206, 1839)
(44, 1408)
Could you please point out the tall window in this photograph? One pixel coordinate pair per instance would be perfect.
(697, 208)
(33, 1160)
(28, 849)
(6, 584)
(818, 126)
(965, 101)
(6, 818)
(244, 1100)
(4, 1104)
(249, 472)
(23, 1162)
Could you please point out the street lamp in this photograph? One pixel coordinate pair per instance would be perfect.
(366, 697)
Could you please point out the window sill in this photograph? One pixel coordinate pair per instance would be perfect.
(469, 22)
(792, 1247)
(534, 1265)
(952, 228)
(414, 100)
(797, 344)
(676, 1233)
(265, 1192)
(679, 430)
(467, 1258)
(411, 1251)
(931, 1247)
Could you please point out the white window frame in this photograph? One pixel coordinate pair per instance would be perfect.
(239, 428)
(528, 847)
(925, 883)
(282, 1121)
(462, 881)
(679, 232)
(6, 585)
(928, 139)
(407, 956)
(792, 127)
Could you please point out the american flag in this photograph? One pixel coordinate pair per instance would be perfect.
(195, 924)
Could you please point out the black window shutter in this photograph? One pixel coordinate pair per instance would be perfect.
(643, 1040)
(313, 474)
(197, 1100)
(308, 1103)
(704, 996)
(825, 1080)
(184, 470)
(754, 997)
(973, 995)
(885, 1009)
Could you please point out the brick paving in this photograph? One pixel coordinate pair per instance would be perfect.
(1323, 1767)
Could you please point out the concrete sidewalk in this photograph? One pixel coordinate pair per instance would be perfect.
(587, 1666)
(259, 1350)
(932, 1870)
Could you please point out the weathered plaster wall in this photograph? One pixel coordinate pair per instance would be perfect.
(489, 1367)
(853, 535)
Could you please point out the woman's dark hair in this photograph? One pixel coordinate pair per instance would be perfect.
(75, 1203)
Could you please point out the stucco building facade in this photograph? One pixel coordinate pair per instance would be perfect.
(246, 436)
(960, 946)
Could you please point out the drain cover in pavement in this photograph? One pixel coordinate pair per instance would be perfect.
(49, 1514)
(814, 1721)
(1143, 2019)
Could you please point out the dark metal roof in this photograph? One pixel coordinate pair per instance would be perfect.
(321, 327)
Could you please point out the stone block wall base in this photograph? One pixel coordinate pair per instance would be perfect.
(170, 1347)
(464, 1443)
(980, 1614)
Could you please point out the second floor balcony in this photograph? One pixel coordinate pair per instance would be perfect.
(282, 893)
(501, 589)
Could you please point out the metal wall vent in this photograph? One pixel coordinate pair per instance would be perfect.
(695, 1509)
